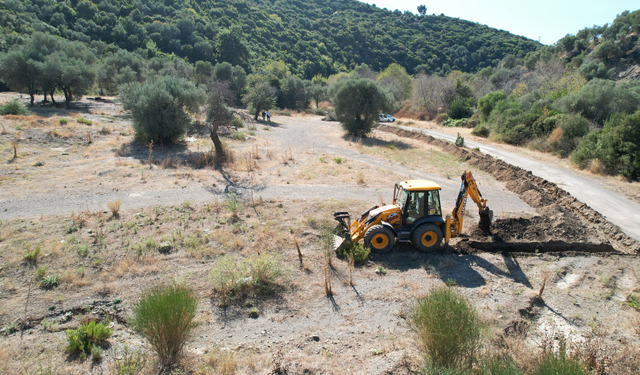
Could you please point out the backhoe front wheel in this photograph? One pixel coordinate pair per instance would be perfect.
(379, 239)
(427, 237)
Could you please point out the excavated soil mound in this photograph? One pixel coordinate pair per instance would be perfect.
(565, 224)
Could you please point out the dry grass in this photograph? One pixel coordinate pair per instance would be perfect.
(555, 136)
(545, 278)
(360, 177)
(114, 206)
(597, 167)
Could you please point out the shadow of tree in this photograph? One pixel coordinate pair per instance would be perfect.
(375, 142)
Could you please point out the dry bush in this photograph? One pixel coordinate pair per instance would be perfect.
(204, 159)
(545, 278)
(360, 177)
(555, 136)
(114, 206)
(55, 133)
(171, 162)
(223, 361)
(597, 167)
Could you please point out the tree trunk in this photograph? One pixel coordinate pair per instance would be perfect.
(216, 142)
(67, 97)
(32, 98)
(51, 95)
(257, 114)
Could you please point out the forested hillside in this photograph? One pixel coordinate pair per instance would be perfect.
(311, 37)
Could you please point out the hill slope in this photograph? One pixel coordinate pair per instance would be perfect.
(316, 36)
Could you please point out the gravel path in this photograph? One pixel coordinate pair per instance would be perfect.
(615, 207)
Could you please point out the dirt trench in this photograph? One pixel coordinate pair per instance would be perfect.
(564, 224)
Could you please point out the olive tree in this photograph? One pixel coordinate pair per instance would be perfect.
(219, 114)
(357, 104)
(260, 97)
(160, 109)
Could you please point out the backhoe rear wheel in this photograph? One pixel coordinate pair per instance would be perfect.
(427, 237)
(379, 239)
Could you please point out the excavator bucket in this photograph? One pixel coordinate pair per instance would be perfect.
(486, 217)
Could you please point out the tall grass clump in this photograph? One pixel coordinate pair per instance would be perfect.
(232, 276)
(164, 316)
(13, 107)
(560, 363)
(83, 340)
(448, 329)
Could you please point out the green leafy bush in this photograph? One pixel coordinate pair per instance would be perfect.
(49, 282)
(82, 340)
(238, 136)
(617, 146)
(448, 328)
(13, 107)
(460, 140)
(570, 128)
(160, 109)
(31, 256)
(460, 108)
(357, 252)
(164, 315)
(487, 102)
(481, 131)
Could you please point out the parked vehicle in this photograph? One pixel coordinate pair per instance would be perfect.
(386, 118)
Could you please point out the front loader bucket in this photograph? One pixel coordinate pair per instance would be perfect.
(339, 243)
(486, 217)
(342, 235)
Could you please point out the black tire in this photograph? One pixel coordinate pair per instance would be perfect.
(379, 239)
(427, 237)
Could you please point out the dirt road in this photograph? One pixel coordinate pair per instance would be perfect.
(295, 133)
(616, 208)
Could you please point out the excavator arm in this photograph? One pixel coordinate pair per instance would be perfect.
(454, 221)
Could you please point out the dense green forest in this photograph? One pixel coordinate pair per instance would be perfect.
(311, 37)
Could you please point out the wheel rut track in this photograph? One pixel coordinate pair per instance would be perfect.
(565, 223)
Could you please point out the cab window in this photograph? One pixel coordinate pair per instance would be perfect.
(420, 204)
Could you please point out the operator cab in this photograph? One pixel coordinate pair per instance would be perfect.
(418, 199)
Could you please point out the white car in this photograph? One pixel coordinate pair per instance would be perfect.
(386, 118)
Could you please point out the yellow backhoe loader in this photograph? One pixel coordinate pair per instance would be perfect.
(415, 216)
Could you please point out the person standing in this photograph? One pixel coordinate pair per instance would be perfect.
(263, 115)
(269, 116)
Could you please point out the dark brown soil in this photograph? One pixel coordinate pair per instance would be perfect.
(564, 224)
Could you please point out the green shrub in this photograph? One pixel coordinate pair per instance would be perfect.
(237, 122)
(442, 117)
(63, 121)
(41, 272)
(487, 102)
(460, 140)
(232, 203)
(481, 131)
(572, 127)
(450, 123)
(617, 146)
(560, 363)
(238, 136)
(319, 112)
(499, 365)
(13, 107)
(82, 120)
(460, 108)
(448, 328)
(159, 109)
(31, 256)
(356, 251)
(49, 282)
(82, 340)
(164, 316)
